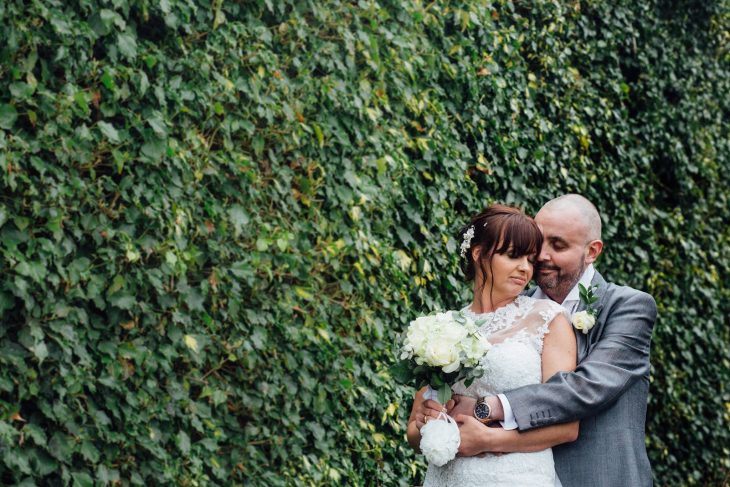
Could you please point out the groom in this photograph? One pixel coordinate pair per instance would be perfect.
(608, 390)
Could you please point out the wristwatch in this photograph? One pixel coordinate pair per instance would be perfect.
(482, 411)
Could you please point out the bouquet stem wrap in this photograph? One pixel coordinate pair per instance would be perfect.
(431, 394)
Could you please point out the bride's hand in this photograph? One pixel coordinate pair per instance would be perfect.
(427, 411)
(461, 405)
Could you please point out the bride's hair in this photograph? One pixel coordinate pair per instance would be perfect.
(498, 229)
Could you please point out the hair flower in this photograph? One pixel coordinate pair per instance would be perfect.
(466, 243)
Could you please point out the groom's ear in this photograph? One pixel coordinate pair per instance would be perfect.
(594, 250)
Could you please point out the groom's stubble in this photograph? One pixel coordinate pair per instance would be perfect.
(560, 282)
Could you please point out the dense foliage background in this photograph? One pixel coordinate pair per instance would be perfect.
(216, 216)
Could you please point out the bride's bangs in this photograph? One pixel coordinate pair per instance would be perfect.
(520, 236)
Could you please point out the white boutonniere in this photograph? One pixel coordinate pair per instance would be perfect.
(584, 320)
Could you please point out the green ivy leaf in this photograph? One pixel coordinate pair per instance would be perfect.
(40, 351)
(127, 45)
(183, 442)
(89, 451)
(239, 219)
(82, 479)
(123, 301)
(60, 446)
(8, 116)
(109, 132)
(20, 91)
(154, 149)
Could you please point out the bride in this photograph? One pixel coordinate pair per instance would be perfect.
(532, 340)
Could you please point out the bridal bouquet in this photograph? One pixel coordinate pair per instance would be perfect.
(440, 350)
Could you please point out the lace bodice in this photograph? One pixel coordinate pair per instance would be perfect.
(516, 332)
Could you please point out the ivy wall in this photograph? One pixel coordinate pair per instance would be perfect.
(216, 216)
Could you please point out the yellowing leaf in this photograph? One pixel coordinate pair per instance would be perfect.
(320, 136)
(191, 343)
(355, 213)
(335, 474)
(390, 410)
(324, 334)
(303, 293)
(404, 261)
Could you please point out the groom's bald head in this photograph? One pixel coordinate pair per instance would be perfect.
(576, 208)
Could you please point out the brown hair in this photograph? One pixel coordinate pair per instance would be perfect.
(508, 225)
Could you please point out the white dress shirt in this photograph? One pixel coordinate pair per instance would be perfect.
(570, 303)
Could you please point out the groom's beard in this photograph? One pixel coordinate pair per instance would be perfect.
(559, 283)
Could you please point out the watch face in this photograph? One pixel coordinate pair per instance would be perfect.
(481, 410)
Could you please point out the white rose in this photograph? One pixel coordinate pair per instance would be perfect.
(419, 327)
(435, 340)
(440, 354)
(440, 441)
(417, 335)
(451, 332)
(445, 346)
(474, 348)
(584, 321)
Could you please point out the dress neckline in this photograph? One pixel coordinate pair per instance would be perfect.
(499, 311)
(502, 317)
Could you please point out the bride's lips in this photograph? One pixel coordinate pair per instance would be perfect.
(519, 280)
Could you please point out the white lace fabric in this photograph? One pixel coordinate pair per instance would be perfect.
(516, 332)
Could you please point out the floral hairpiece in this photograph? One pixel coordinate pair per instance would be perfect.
(466, 243)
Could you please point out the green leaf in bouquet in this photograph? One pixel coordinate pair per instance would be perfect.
(402, 371)
(444, 393)
(420, 371)
(437, 381)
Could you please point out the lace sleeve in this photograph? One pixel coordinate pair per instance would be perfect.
(547, 311)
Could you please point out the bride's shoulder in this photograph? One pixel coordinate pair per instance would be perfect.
(544, 306)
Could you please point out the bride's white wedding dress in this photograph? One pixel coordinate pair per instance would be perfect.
(516, 332)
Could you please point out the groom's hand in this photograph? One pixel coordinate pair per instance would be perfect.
(473, 433)
(461, 405)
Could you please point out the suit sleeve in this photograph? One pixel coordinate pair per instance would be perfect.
(618, 360)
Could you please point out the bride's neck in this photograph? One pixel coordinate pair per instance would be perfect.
(487, 304)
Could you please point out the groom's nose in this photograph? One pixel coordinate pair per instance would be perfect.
(544, 254)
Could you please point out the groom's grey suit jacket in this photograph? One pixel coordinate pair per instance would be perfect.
(608, 392)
